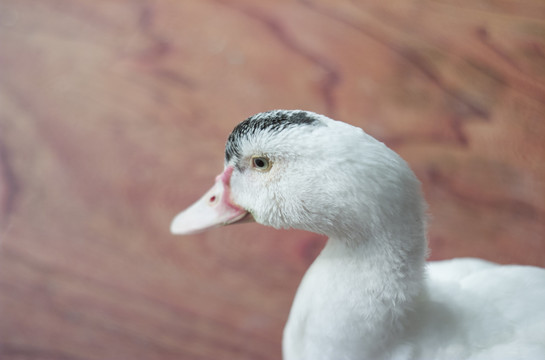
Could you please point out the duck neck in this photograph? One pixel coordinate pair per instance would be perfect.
(387, 275)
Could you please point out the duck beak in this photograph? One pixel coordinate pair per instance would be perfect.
(214, 209)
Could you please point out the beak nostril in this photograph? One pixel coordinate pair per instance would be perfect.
(214, 208)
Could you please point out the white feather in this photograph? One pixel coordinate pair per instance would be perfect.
(370, 293)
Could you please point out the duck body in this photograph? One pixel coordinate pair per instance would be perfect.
(370, 293)
(467, 309)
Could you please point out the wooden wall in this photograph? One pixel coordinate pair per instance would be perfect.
(114, 114)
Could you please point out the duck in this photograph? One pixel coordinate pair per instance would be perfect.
(370, 293)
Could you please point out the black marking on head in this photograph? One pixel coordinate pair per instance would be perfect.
(272, 121)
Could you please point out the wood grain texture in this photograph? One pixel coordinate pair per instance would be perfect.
(114, 114)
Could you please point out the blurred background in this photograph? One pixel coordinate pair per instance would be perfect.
(114, 115)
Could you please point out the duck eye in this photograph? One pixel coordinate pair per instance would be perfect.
(261, 163)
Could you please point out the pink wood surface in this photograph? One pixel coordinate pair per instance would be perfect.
(114, 114)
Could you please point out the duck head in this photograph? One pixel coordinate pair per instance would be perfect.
(299, 169)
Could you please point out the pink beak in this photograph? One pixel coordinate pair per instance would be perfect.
(214, 209)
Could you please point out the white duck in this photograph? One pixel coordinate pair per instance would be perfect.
(369, 294)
